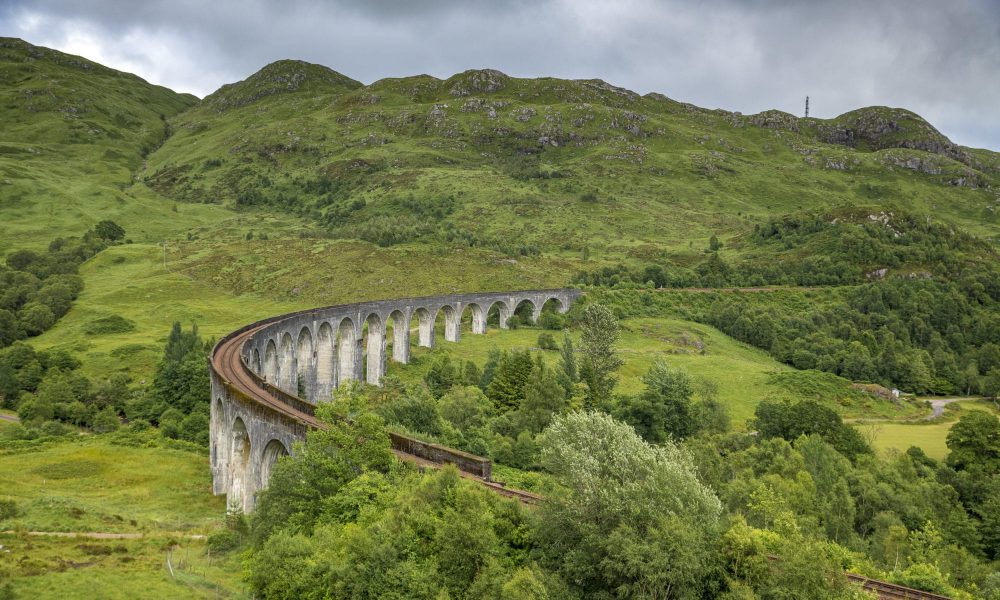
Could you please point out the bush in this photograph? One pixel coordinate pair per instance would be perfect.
(108, 325)
(109, 230)
(551, 320)
(547, 342)
(224, 541)
(8, 509)
(55, 429)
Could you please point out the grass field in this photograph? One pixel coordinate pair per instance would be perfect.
(742, 373)
(88, 484)
(929, 436)
(60, 568)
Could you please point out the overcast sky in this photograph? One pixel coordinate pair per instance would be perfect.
(940, 58)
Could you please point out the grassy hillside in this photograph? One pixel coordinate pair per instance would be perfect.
(549, 165)
(74, 135)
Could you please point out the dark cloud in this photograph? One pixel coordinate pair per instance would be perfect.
(940, 59)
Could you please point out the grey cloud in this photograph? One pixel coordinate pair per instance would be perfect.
(940, 59)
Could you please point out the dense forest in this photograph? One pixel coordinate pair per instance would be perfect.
(37, 288)
(917, 305)
(651, 495)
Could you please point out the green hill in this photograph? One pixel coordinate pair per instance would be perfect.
(531, 165)
(74, 135)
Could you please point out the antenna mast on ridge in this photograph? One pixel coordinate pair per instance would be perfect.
(807, 106)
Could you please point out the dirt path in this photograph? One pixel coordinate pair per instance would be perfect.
(938, 404)
(11, 418)
(767, 288)
(937, 411)
(105, 535)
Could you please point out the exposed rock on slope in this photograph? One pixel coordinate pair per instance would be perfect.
(280, 77)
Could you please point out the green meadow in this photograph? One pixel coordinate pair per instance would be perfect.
(929, 436)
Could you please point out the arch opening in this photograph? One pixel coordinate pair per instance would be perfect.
(524, 314)
(549, 315)
(498, 314)
(287, 373)
(305, 379)
(272, 452)
(255, 361)
(271, 362)
(473, 319)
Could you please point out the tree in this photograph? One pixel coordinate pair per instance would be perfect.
(599, 333)
(109, 230)
(489, 369)
(471, 375)
(664, 409)
(991, 383)
(441, 376)
(975, 442)
(35, 318)
(105, 420)
(180, 382)
(301, 485)
(628, 518)
(465, 407)
(8, 328)
(506, 388)
(789, 420)
(544, 397)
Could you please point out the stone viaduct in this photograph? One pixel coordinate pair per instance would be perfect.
(267, 377)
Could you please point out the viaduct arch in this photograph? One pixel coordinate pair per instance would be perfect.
(268, 377)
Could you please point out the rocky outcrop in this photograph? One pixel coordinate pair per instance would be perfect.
(879, 127)
(481, 81)
(283, 76)
(775, 119)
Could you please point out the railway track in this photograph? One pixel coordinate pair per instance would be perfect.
(891, 591)
(228, 363)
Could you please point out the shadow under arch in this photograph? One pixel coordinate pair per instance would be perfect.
(270, 455)
(476, 318)
(304, 364)
(271, 363)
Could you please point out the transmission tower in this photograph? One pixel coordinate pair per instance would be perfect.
(807, 106)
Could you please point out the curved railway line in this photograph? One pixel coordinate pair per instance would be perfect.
(227, 361)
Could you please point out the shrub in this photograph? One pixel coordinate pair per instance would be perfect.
(108, 325)
(224, 541)
(551, 320)
(109, 230)
(8, 509)
(547, 342)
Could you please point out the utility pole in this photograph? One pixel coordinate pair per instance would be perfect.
(807, 107)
